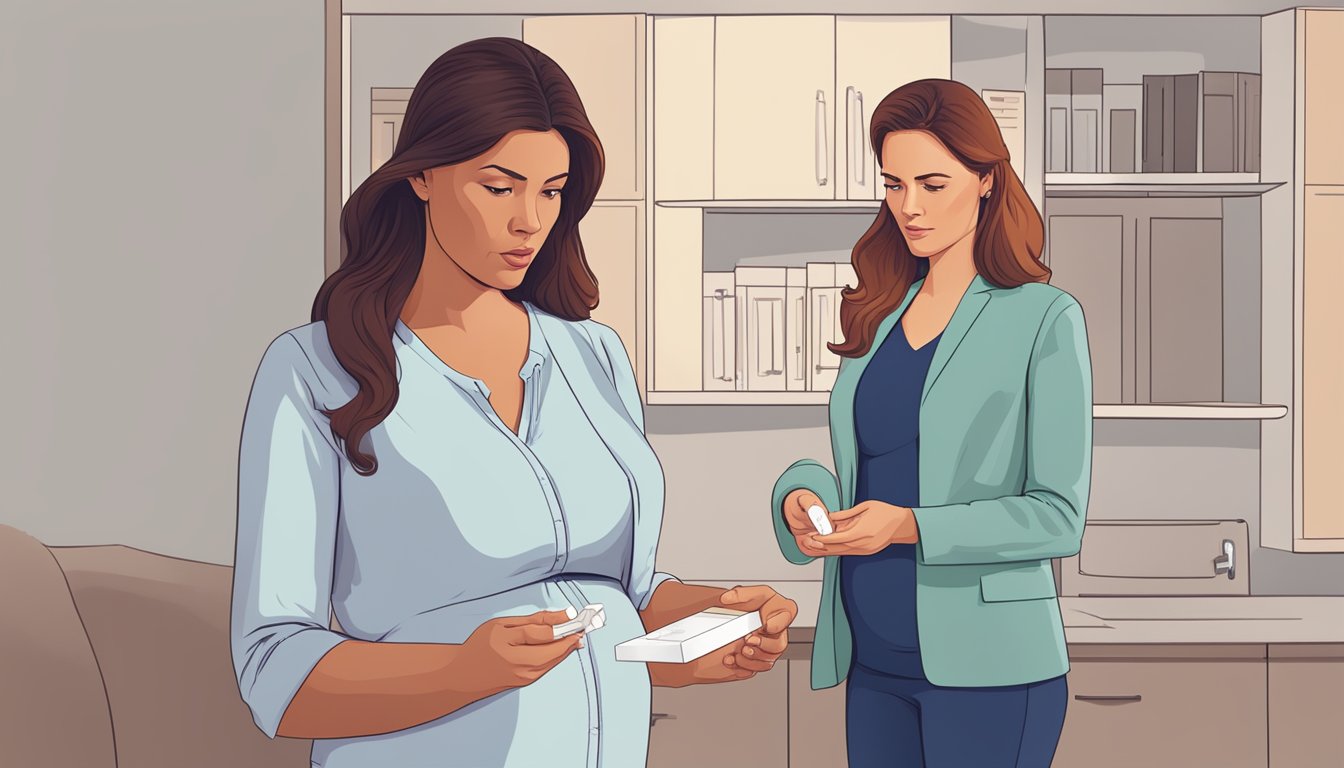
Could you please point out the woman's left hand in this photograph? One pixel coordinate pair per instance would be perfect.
(867, 528)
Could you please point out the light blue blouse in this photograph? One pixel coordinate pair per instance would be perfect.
(464, 521)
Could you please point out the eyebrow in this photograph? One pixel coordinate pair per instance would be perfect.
(919, 178)
(519, 176)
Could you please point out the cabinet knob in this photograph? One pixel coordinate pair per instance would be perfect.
(1228, 562)
(653, 720)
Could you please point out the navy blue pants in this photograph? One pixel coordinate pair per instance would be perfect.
(897, 722)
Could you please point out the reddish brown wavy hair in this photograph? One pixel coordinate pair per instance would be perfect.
(1008, 236)
(464, 103)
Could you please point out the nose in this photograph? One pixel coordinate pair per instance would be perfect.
(525, 219)
(911, 203)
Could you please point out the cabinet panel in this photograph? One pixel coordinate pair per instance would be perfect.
(613, 243)
(1324, 108)
(875, 55)
(740, 723)
(1086, 260)
(1186, 283)
(1305, 707)
(816, 720)
(1322, 363)
(1178, 712)
(773, 102)
(610, 80)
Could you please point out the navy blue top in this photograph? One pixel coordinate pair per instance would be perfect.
(878, 590)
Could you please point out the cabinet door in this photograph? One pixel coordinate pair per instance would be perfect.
(604, 57)
(816, 720)
(1324, 70)
(773, 101)
(1201, 706)
(742, 723)
(1186, 310)
(1304, 705)
(1322, 363)
(875, 55)
(1086, 257)
(613, 243)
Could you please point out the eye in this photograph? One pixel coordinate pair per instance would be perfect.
(933, 188)
(498, 191)
(551, 194)
(892, 187)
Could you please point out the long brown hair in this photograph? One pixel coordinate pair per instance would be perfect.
(464, 103)
(1008, 235)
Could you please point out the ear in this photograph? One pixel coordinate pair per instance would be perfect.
(420, 186)
(986, 183)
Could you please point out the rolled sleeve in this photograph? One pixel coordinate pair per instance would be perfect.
(1046, 520)
(288, 496)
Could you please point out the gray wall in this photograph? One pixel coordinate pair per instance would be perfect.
(1129, 47)
(161, 221)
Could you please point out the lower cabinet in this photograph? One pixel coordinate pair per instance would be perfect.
(816, 720)
(1306, 705)
(1166, 705)
(743, 723)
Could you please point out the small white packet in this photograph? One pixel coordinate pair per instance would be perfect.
(590, 618)
(692, 637)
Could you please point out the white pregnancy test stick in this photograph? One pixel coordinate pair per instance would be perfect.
(819, 520)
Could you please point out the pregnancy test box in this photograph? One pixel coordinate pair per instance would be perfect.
(690, 638)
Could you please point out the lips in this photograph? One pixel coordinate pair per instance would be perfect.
(518, 257)
(916, 232)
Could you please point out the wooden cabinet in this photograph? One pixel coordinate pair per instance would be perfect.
(613, 243)
(1165, 705)
(1322, 59)
(875, 55)
(604, 57)
(816, 719)
(387, 113)
(774, 81)
(1305, 705)
(740, 723)
(1322, 517)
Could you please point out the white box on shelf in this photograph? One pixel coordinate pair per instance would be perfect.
(720, 333)
(795, 336)
(691, 637)
(761, 295)
(825, 282)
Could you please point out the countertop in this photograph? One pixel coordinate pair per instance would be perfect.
(1144, 620)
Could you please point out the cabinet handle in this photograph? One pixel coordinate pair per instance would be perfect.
(799, 326)
(653, 720)
(860, 140)
(720, 338)
(773, 312)
(1228, 562)
(1118, 699)
(821, 138)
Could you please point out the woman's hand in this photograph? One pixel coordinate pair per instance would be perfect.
(757, 652)
(800, 525)
(513, 651)
(865, 529)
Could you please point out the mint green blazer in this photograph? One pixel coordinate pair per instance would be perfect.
(1005, 461)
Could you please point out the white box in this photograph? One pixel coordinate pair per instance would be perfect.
(691, 637)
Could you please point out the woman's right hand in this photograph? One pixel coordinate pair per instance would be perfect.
(800, 525)
(514, 651)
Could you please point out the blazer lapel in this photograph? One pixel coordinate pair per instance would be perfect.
(968, 309)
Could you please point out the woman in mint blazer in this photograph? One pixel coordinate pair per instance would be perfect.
(961, 430)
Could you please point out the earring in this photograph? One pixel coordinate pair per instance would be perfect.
(986, 195)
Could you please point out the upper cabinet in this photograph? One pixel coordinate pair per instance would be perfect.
(609, 77)
(774, 98)
(1322, 54)
(768, 108)
(875, 55)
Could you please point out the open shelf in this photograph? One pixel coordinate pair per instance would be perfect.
(1156, 185)
(1222, 411)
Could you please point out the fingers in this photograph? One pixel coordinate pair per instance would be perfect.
(540, 617)
(852, 512)
(767, 644)
(778, 621)
(847, 536)
(755, 660)
(535, 634)
(747, 598)
(543, 657)
(808, 546)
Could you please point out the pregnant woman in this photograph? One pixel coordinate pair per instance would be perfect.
(451, 458)
(961, 428)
